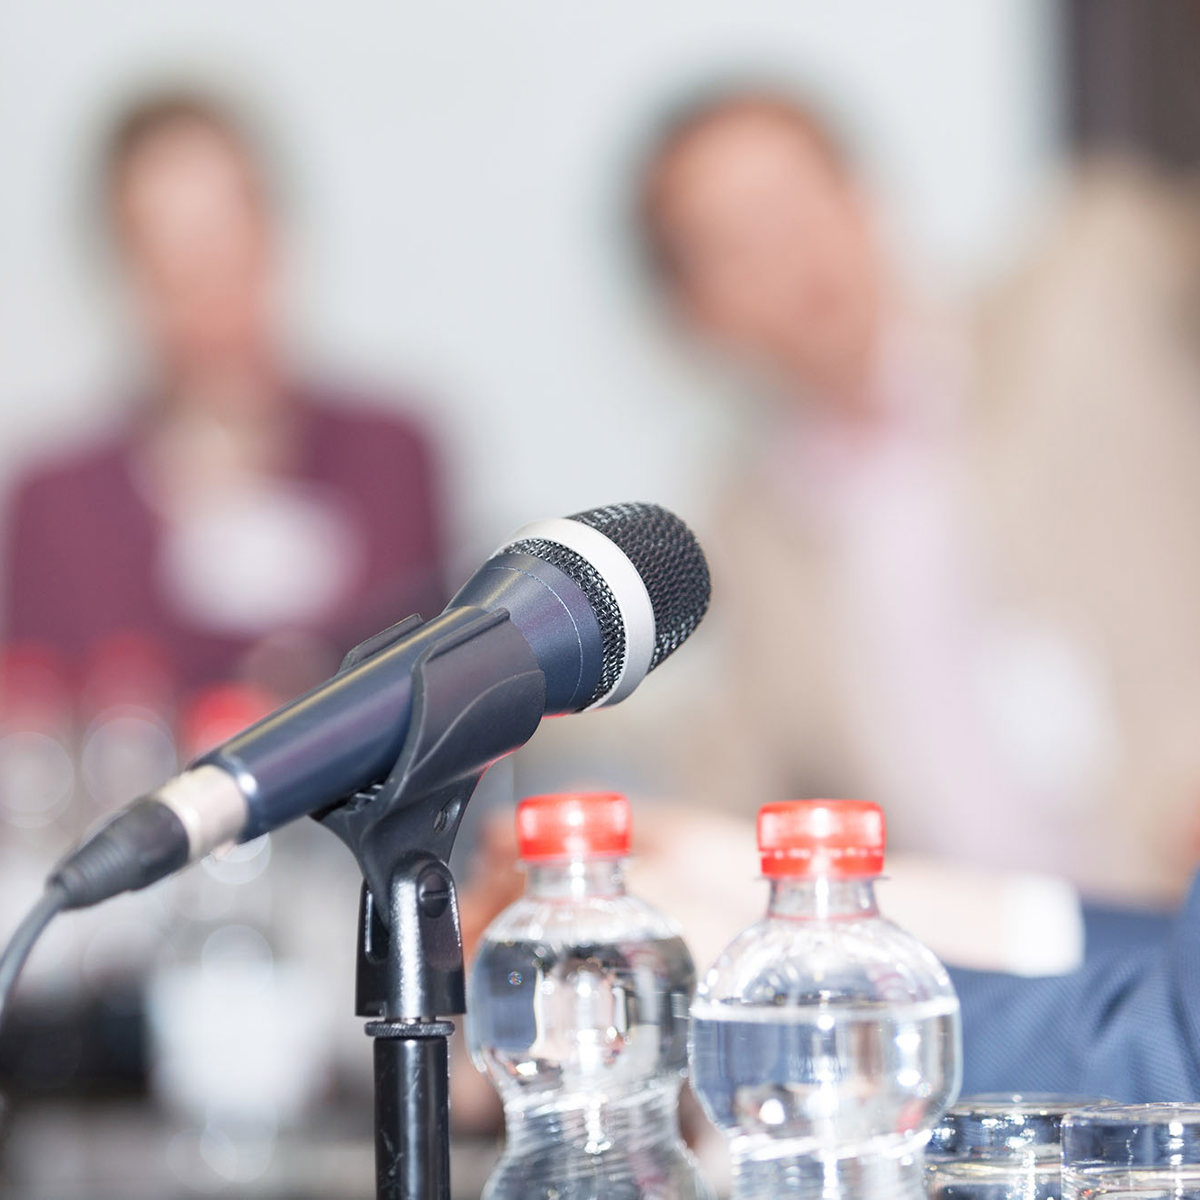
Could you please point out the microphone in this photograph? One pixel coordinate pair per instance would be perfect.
(601, 597)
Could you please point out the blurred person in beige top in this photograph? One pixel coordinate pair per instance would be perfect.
(957, 567)
(959, 570)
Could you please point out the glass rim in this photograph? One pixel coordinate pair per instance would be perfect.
(1033, 1103)
(1004, 1126)
(1162, 1112)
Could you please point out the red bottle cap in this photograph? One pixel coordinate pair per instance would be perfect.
(574, 825)
(840, 838)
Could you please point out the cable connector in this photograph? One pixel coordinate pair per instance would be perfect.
(141, 845)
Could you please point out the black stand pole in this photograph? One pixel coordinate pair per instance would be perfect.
(410, 961)
(411, 1102)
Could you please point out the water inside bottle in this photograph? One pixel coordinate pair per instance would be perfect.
(862, 1076)
(550, 1018)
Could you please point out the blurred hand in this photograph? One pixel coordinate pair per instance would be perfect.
(495, 881)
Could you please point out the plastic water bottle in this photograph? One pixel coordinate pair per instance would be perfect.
(825, 1040)
(578, 1010)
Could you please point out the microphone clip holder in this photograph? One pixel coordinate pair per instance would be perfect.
(410, 974)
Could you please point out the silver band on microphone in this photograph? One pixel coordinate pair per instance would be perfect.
(209, 805)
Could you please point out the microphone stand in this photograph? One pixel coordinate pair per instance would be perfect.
(410, 960)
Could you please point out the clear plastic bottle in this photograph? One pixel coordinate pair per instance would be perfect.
(578, 1010)
(825, 1040)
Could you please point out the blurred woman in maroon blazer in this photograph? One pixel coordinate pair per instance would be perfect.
(249, 523)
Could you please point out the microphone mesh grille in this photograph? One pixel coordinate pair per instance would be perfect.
(669, 560)
(672, 567)
(599, 595)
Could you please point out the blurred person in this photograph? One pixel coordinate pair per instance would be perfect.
(249, 521)
(955, 571)
(957, 567)
(238, 527)
(954, 558)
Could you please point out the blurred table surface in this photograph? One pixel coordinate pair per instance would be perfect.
(132, 1151)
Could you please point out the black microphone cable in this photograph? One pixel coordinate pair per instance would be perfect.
(120, 856)
(54, 899)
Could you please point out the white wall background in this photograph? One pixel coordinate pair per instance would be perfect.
(458, 170)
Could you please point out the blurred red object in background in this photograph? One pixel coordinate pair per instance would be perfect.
(128, 669)
(34, 688)
(219, 712)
